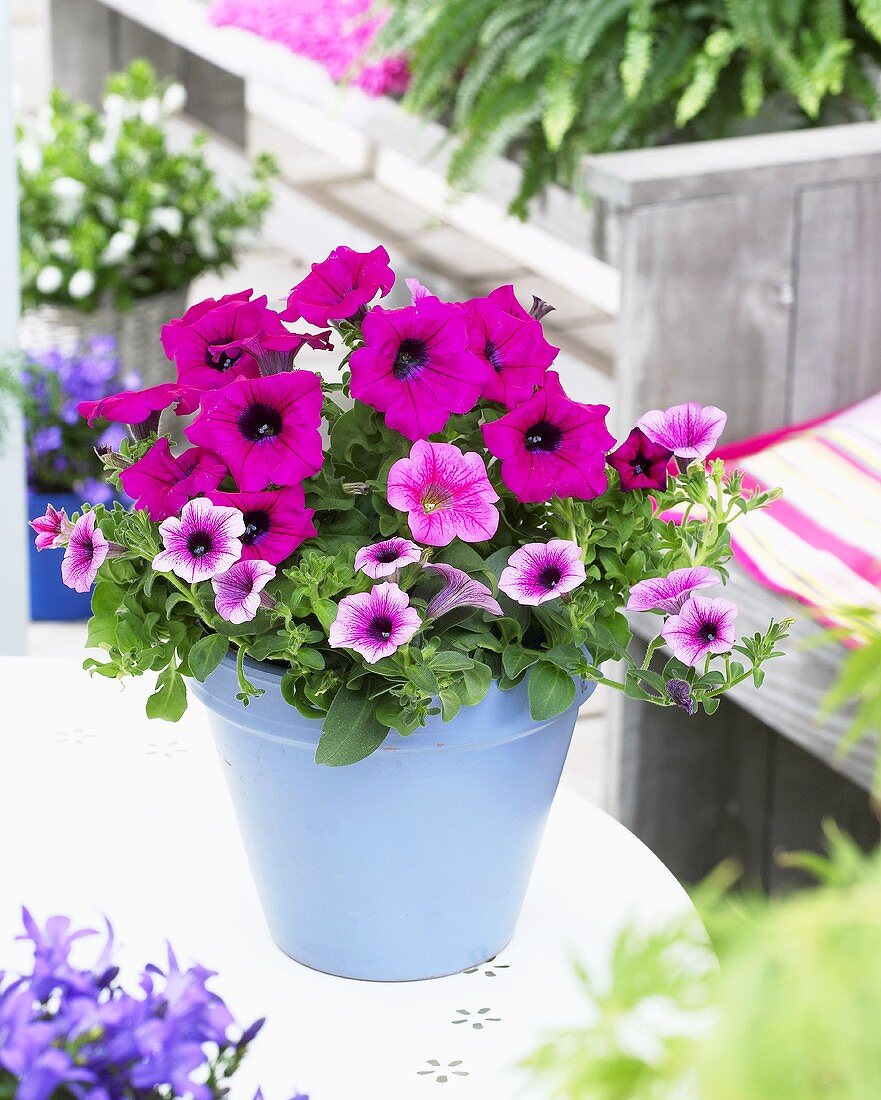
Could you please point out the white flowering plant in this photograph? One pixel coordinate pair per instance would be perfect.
(110, 211)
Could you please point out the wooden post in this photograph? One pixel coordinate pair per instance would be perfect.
(13, 561)
(84, 46)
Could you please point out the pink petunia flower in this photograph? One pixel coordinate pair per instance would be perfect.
(204, 541)
(445, 494)
(551, 446)
(206, 343)
(689, 431)
(161, 483)
(139, 409)
(505, 298)
(374, 623)
(703, 627)
(339, 286)
(53, 529)
(85, 554)
(669, 593)
(513, 348)
(416, 368)
(275, 354)
(384, 558)
(641, 464)
(459, 590)
(542, 571)
(276, 521)
(265, 429)
(239, 591)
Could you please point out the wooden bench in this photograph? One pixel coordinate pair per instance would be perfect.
(744, 273)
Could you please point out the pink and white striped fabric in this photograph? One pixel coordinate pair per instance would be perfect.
(822, 542)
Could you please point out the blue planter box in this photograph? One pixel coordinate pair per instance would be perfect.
(51, 599)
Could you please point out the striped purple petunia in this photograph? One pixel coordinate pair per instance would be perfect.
(238, 593)
(384, 558)
(703, 627)
(204, 541)
(542, 571)
(375, 623)
(690, 431)
(669, 593)
(86, 552)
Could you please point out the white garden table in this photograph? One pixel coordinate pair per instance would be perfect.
(104, 812)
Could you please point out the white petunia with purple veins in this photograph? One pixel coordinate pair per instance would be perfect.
(375, 623)
(382, 559)
(669, 593)
(202, 543)
(459, 590)
(238, 593)
(86, 551)
(690, 431)
(542, 571)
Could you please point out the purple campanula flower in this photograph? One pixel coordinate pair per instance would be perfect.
(374, 623)
(93, 491)
(669, 593)
(459, 590)
(690, 431)
(445, 494)
(338, 287)
(239, 591)
(384, 558)
(204, 541)
(542, 571)
(641, 464)
(680, 692)
(46, 439)
(702, 628)
(86, 552)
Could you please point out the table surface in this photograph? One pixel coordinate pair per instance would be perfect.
(106, 812)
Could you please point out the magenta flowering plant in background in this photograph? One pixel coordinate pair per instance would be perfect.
(71, 1028)
(397, 535)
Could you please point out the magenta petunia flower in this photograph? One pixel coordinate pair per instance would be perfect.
(542, 571)
(374, 623)
(641, 464)
(140, 409)
(689, 431)
(384, 558)
(206, 343)
(505, 298)
(239, 591)
(551, 446)
(704, 626)
(265, 429)
(161, 483)
(416, 367)
(459, 590)
(86, 552)
(202, 543)
(275, 354)
(445, 494)
(513, 348)
(276, 521)
(339, 286)
(53, 529)
(669, 593)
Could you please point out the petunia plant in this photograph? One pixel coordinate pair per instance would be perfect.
(395, 537)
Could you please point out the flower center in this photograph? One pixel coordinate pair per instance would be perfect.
(382, 627)
(259, 422)
(543, 436)
(199, 543)
(387, 556)
(637, 466)
(550, 576)
(223, 361)
(494, 356)
(435, 497)
(708, 632)
(256, 524)
(411, 357)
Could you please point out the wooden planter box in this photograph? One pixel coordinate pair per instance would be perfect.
(744, 273)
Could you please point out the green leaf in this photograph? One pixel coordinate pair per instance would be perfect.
(206, 655)
(351, 730)
(475, 683)
(169, 700)
(551, 691)
(450, 661)
(107, 598)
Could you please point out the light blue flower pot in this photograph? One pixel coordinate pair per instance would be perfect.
(410, 864)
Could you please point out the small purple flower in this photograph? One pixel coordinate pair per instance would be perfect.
(46, 439)
(202, 543)
(53, 529)
(384, 558)
(374, 623)
(680, 692)
(669, 593)
(689, 431)
(239, 591)
(702, 628)
(641, 464)
(459, 590)
(94, 491)
(85, 553)
(542, 571)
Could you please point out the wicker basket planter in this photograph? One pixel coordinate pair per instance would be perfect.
(135, 330)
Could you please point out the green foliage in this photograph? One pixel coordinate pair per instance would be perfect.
(549, 83)
(111, 210)
(784, 1005)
